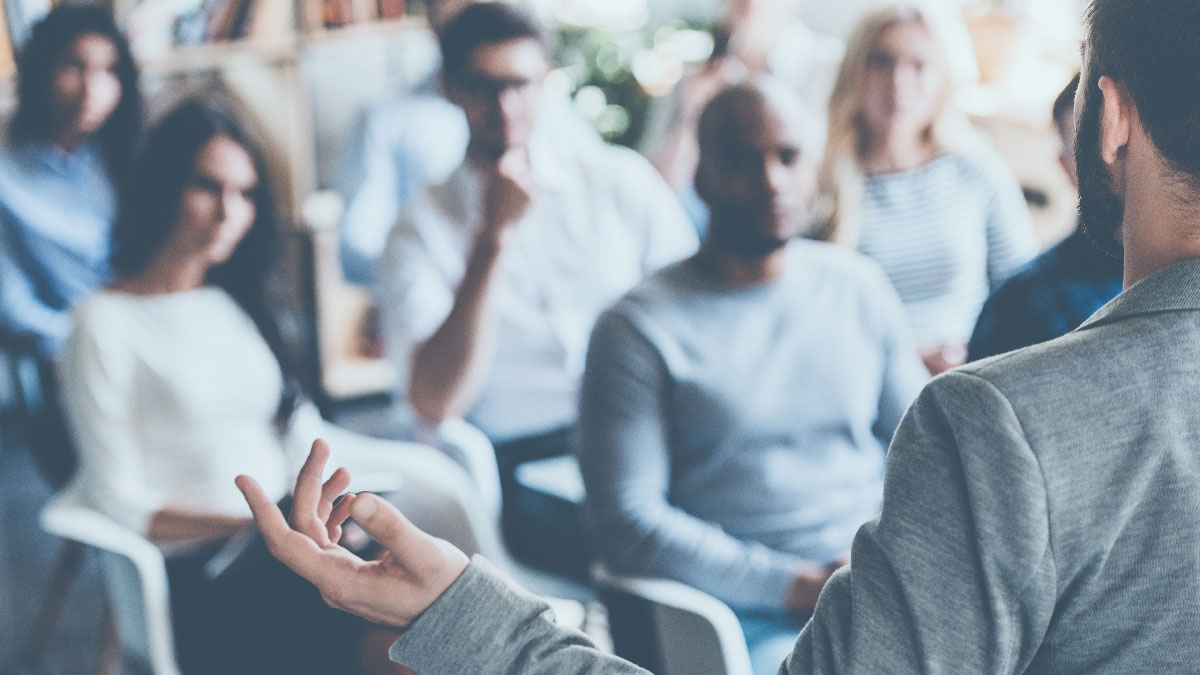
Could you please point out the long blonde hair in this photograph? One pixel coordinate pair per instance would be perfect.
(842, 175)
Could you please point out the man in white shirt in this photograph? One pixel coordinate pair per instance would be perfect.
(491, 281)
(406, 143)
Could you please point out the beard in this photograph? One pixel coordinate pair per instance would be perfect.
(1101, 209)
(732, 235)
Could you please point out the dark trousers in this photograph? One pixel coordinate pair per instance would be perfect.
(260, 618)
(541, 529)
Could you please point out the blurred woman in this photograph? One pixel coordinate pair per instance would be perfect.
(909, 183)
(176, 379)
(78, 116)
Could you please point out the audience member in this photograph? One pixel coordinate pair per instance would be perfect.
(78, 115)
(411, 141)
(1061, 288)
(491, 281)
(911, 186)
(1039, 510)
(176, 379)
(760, 357)
(755, 37)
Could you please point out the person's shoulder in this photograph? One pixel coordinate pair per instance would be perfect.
(613, 164)
(837, 262)
(1042, 370)
(103, 318)
(659, 291)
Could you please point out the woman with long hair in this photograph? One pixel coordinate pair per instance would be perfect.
(908, 182)
(78, 115)
(176, 379)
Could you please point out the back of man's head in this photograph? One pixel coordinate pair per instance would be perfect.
(481, 24)
(1152, 47)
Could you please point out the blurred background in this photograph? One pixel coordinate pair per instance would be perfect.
(307, 69)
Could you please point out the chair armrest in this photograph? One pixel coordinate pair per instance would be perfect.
(685, 618)
(135, 576)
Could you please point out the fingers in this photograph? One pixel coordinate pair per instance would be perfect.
(336, 485)
(286, 544)
(308, 486)
(338, 516)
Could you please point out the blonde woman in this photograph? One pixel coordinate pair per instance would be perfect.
(908, 183)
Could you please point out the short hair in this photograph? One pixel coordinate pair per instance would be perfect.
(48, 41)
(150, 204)
(485, 23)
(1064, 105)
(1152, 47)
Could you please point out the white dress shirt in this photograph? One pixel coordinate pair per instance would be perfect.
(600, 222)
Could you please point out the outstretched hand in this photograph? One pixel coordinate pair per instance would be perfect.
(393, 590)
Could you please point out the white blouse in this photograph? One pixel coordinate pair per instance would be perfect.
(168, 398)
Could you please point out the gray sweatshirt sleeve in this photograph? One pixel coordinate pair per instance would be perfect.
(626, 467)
(483, 624)
(957, 575)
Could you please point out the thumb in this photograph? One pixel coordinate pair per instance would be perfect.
(385, 523)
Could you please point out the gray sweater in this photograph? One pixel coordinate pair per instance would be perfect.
(730, 435)
(1041, 514)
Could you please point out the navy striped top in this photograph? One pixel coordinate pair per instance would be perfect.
(946, 233)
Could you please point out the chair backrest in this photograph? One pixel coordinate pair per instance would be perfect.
(672, 629)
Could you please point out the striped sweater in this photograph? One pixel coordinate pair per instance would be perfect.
(946, 234)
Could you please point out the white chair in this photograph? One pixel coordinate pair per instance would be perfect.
(471, 449)
(135, 581)
(432, 489)
(680, 630)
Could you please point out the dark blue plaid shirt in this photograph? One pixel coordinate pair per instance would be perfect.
(1047, 298)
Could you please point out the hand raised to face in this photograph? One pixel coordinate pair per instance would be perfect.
(393, 590)
(508, 192)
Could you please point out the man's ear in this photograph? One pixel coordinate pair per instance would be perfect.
(1116, 119)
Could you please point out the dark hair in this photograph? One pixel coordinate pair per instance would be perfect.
(484, 23)
(49, 40)
(150, 205)
(1152, 47)
(1064, 105)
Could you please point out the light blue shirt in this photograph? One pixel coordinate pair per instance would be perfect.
(56, 215)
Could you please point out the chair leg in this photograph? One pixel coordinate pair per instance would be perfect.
(62, 578)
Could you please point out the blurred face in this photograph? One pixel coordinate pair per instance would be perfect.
(501, 93)
(85, 86)
(903, 85)
(758, 180)
(217, 208)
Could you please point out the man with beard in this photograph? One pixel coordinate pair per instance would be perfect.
(1058, 290)
(1041, 509)
(736, 406)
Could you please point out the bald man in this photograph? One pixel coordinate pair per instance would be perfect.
(736, 406)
